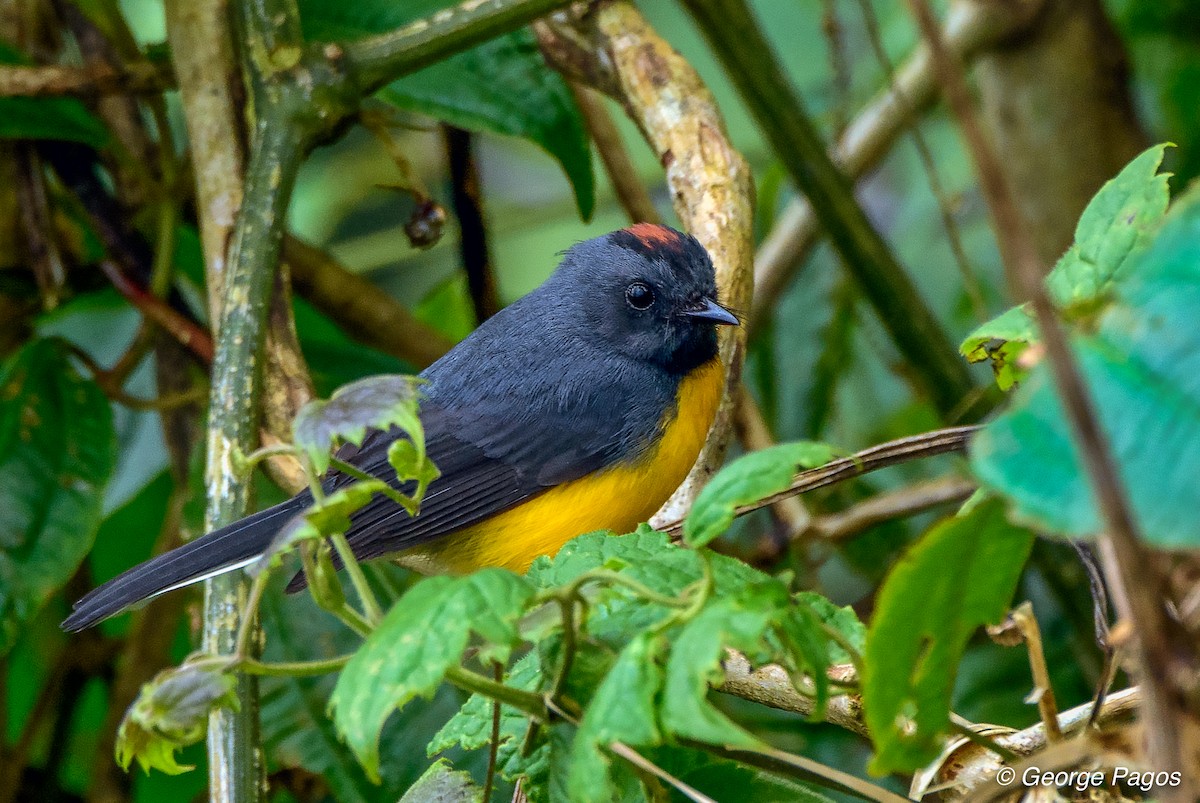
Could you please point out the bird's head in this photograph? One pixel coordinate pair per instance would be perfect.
(650, 293)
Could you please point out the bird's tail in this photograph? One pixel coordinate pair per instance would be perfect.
(220, 551)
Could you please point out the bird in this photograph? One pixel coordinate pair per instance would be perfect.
(579, 407)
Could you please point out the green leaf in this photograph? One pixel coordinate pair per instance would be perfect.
(171, 712)
(960, 576)
(1116, 226)
(748, 479)
(57, 451)
(1141, 367)
(501, 86)
(621, 710)
(844, 620)
(409, 461)
(442, 784)
(694, 664)
(717, 777)
(1002, 340)
(422, 636)
(807, 653)
(377, 402)
(47, 118)
(296, 729)
(471, 727)
(647, 557)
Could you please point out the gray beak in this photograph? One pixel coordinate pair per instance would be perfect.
(711, 311)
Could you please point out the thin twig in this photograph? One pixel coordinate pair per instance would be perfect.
(804, 769)
(428, 219)
(362, 309)
(900, 503)
(41, 238)
(901, 450)
(380, 59)
(494, 742)
(189, 333)
(641, 762)
(1043, 688)
(839, 64)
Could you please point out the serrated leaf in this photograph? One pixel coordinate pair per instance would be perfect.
(471, 727)
(1115, 226)
(623, 709)
(502, 86)
(441, 783)
(296, 728)
(799, 629)
(1116, 223)
(57, 452)
(422, 636)
(47, 118)
(1142, 369)
(960, 576)
(842, 619)
(645, 556)
(171, 712)
(377, 402)
(748, 479)
(694, 665)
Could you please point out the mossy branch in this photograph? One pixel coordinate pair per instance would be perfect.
(380, 59)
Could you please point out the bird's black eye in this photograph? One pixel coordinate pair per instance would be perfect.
(639, 296)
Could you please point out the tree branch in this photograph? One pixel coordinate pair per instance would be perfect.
(51, 80)
(379, 60)
(277, 146)
(898, 504)
(971, 768)
(771, 686)
(365, 312)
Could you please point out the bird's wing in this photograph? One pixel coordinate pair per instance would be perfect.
(487, 465)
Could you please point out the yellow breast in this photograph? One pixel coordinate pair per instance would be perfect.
(617, 498)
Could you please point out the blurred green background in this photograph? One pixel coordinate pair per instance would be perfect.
(823, 369)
